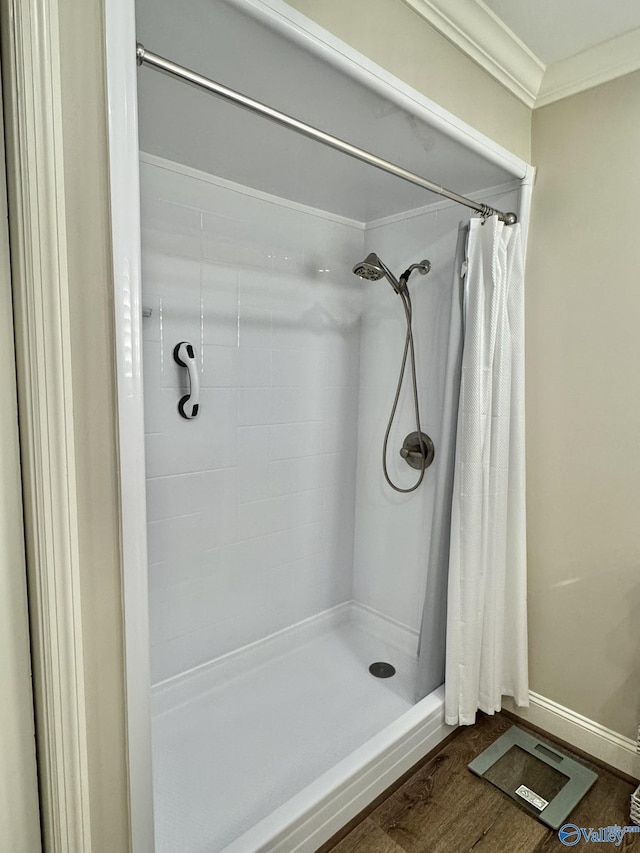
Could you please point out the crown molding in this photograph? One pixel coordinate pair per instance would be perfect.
(474, 29)
(591, 67)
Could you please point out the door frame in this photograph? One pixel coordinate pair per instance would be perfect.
(19, 806)
(122, 94)
(57, 168)
(39, 267)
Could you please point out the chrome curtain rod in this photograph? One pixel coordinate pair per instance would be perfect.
(146, 57)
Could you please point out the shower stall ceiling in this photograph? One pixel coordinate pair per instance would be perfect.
(280, 563)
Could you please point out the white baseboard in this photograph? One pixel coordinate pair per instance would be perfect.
(585, 734)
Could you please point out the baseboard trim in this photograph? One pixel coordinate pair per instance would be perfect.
(584, 734)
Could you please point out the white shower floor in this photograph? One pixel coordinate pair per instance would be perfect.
(235, 741)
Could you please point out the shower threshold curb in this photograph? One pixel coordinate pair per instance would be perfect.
(314, 815)
(316, 812)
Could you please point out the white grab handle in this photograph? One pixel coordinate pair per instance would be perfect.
(184, 354)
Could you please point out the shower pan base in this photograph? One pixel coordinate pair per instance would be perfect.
(276, 746)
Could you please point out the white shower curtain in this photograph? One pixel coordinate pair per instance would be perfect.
(486, 654)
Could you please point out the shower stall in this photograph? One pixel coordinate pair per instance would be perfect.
(268, 561)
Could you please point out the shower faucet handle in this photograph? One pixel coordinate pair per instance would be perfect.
(184, 354)
(412, 453)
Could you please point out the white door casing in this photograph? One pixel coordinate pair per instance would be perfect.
(55, 116)
(19, 811)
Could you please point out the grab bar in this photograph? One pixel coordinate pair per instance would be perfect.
(185, 355)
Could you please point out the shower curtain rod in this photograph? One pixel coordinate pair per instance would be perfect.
(146, 57)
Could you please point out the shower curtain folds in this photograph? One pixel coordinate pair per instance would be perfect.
(487, 607)
(431, 654)
(485, 550)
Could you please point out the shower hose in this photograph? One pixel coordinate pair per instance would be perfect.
(408, 350)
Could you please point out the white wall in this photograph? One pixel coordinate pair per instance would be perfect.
(392, 529)
(250, 505)
(256, 518)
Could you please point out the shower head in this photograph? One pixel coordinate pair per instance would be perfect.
(372, 269)
(369, 268)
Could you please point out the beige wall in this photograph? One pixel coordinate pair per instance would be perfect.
(583, 405)
(398, 39)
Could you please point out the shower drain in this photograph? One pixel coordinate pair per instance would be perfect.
(382, 670)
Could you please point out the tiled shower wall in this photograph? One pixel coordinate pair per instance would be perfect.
(251, 504)
(393, 530)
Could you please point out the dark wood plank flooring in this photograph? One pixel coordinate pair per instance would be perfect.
(444, 808)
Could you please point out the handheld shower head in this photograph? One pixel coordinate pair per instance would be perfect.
(369, 269)
(372, 269)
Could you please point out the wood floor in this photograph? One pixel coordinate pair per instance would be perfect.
(444, 808)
